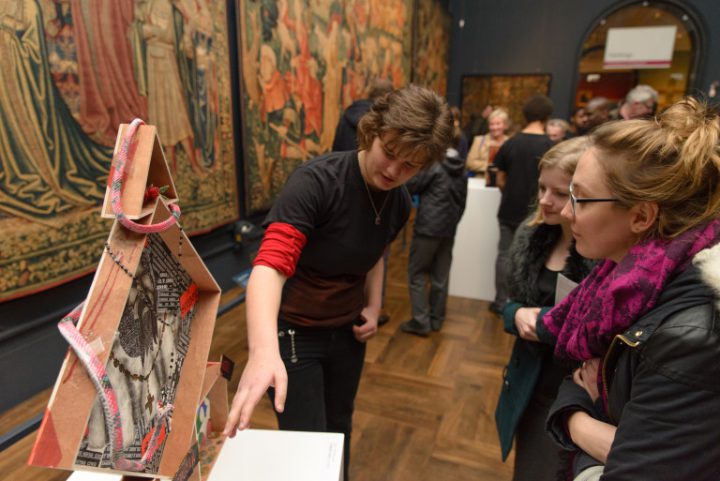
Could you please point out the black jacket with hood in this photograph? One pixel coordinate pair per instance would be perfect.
(346, 131)
(443, 190)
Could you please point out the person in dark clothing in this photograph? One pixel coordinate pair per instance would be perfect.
(478, 124)
(443, 190)
(346, 131)
(579, 122)
(598, 112)
(643, 326)
(541, 250)
(462, 146)
(313, 298)
(517, 173)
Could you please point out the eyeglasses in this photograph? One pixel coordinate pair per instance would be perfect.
(574, 200)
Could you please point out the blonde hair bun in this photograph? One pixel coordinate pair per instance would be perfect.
(673, 160)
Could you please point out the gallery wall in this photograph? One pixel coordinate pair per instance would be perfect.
(545, 36)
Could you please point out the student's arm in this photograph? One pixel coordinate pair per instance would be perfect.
(264, 367)
(500, 178)
(373, 302)
(592, 436)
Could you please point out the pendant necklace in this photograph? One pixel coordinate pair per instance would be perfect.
(378, 218)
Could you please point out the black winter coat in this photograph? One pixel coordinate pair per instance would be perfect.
(443, 192)
(662, 377)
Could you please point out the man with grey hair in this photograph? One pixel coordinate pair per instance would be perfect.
(640, 102)
(557, 129)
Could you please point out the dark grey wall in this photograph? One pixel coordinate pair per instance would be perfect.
(545, 36)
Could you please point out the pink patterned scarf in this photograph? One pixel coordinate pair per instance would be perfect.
(613, 296)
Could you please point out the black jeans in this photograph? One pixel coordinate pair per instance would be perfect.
(324, 367)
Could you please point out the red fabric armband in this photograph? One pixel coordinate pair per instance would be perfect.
(280, 248)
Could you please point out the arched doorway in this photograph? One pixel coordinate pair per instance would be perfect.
(602, 77)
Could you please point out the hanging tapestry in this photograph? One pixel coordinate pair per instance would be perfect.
(507, 91)
(73, 71)
(431, 45)
(302, 62)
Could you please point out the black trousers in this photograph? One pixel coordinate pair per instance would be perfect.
(324, 367)
(429, 256)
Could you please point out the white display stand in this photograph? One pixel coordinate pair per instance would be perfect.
(259, 455)
(472, 273)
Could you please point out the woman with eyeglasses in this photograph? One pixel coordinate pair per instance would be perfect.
(313, 298)
(541, 250)
(645, 324)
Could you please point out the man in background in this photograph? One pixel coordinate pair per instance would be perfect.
(579, 122)
(517, 164)
(557, 129)
(598, 112)
(346, 131)
(640, 102)
(443, 190)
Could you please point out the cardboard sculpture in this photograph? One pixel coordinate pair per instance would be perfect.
(148, 167)
(128, 393)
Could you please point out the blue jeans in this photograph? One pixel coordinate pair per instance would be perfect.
(324, 367)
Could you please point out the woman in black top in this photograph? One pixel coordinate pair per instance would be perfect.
(314, 294)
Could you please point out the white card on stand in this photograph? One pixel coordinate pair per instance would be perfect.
(259, 455)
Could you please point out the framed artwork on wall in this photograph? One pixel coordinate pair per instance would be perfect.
(507, 91)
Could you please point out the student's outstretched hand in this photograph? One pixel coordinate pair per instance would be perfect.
(261, 371)
(525, 322)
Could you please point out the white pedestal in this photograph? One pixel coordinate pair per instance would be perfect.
(472, 273)
(259, 455)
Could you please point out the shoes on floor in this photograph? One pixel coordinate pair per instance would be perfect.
(435, 325)
(414, 327)
(496, 308)
(383, 319)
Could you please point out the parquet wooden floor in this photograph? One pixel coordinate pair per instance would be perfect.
(425, 408)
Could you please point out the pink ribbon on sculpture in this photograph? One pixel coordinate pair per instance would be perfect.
(108, 400)
(122, 159)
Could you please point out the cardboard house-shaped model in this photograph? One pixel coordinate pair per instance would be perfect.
(148, 320)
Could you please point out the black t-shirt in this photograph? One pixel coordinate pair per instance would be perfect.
(326, 199)
(519, 158)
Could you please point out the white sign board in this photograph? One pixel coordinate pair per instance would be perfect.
(639, 47)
